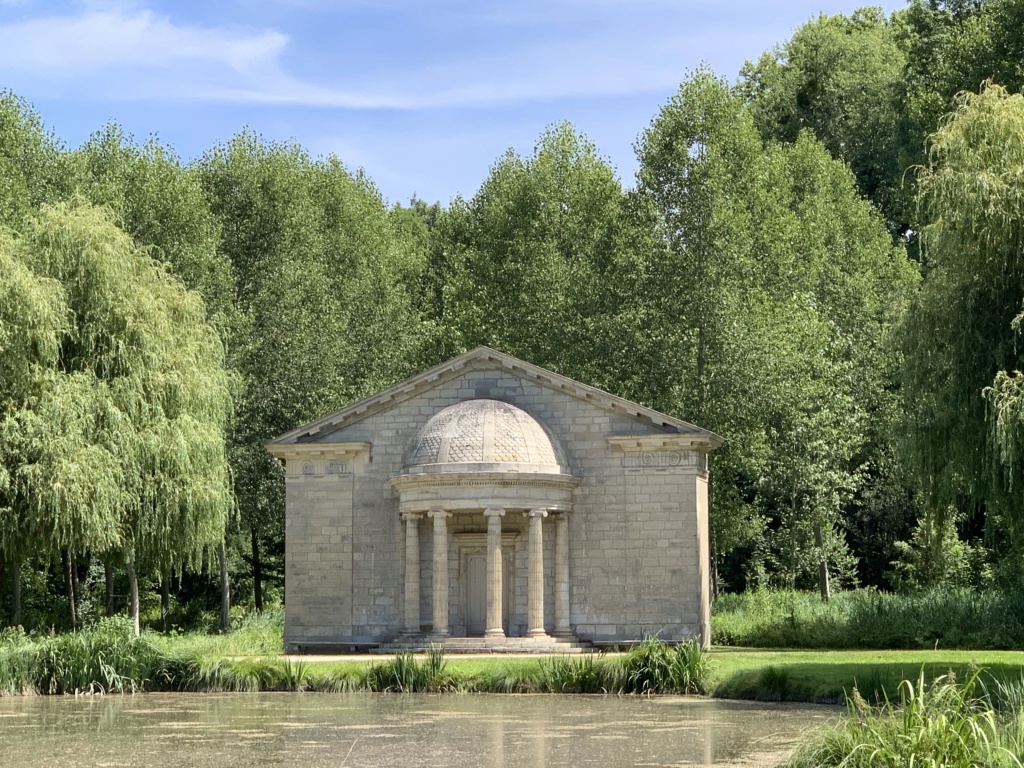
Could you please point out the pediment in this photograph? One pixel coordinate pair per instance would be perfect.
(485, 358)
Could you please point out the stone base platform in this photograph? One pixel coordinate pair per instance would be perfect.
(456, 645)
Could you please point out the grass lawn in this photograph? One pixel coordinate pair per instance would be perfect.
(824, 677)
(828, 676)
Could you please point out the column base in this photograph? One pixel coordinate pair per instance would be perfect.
(537, 633)
(562, 633)
(494, 633)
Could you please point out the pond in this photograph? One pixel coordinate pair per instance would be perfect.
(353, 730)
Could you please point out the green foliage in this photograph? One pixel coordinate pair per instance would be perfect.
(936, 556)
(945, 618)
(324, 286)
(653, 666)
(118, 443)
(407, 674)
(841, 77)
(938, 723)
(32, 165)
(960, 336)
(536, 263)
(106, 659)
(783, 288)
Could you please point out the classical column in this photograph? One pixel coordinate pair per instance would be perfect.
(495, 626)
(535, 575)
(412, 571)
(562, 575)
(440, 575)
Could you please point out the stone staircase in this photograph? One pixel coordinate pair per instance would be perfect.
(457, 645)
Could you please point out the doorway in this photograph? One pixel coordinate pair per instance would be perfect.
(474, 573)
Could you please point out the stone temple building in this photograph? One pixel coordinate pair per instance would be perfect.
(488, 503)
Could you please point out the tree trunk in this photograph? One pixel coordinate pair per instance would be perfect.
(133, 595)
(108, 586)
(225, 588)
(823, 583)
(69, 587)
(3, 580)
(16, 591)
(204, 570)
(713, 557)
(257, 573)
(165, 599)
(76, 587)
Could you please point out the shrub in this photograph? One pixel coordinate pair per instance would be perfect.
(867, 618)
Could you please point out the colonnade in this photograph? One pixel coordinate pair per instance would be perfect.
(495, 609)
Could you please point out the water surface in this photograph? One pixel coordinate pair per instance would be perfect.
(381, 730)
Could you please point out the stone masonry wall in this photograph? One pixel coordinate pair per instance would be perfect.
(635, 535)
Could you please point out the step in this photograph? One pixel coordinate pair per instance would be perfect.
(460, 645)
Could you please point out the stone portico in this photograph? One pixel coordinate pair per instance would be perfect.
(489, 498)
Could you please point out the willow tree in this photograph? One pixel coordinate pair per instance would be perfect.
(963, 335)
(32, 321)
(159, 203)
(120, 444)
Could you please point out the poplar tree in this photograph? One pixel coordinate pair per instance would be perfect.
(770, 300)
(324, 287)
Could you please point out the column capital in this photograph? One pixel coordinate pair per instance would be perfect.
(492, 511)
(407, 516)
(537, 513)
(434, 514)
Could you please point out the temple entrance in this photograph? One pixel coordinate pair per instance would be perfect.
(476, 598)
(474, 590)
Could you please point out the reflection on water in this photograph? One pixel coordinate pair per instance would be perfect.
(353, 730)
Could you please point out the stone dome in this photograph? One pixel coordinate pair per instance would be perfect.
(484, 436)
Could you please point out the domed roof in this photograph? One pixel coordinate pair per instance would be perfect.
(484, 436)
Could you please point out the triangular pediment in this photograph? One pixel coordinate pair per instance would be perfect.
(485, 358)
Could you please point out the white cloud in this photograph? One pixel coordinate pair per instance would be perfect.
(113, 51)
(120, 53)
(98, 40)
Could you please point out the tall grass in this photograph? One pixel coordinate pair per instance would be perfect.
(942, 723)
(656, 667)
(867, 618)
(110, 659)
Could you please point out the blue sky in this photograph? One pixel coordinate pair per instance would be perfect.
(424, 96)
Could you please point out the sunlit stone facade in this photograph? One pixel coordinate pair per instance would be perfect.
(489, 498)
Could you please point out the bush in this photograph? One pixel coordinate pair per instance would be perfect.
(866, 618)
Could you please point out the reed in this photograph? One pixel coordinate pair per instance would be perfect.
(941, 723)
(654, 666)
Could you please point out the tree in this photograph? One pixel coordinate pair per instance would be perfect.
(770, 302)
(961, 340)
(534, 263)
(32, 166)
(162, 206)
(116, 441)
(324, 283)
(841, 77)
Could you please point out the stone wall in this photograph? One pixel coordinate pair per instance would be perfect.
(637, 535)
